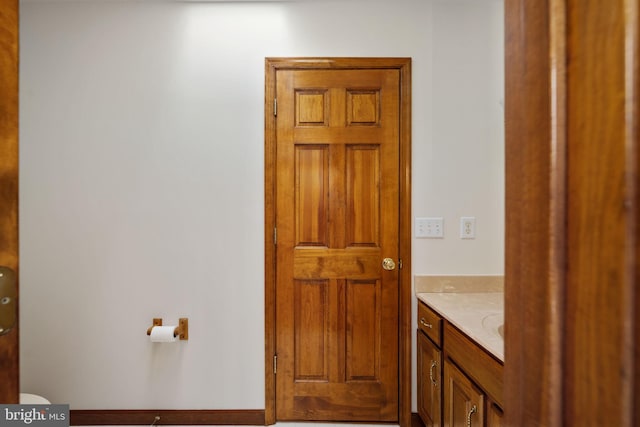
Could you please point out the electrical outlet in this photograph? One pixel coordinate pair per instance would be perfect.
(468, 227)
(429, 228)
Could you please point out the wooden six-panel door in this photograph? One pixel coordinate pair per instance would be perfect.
(337, 218)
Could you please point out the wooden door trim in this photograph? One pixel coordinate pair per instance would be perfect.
(572, 256)
(534, 235)
(9, 371)
(403, 65)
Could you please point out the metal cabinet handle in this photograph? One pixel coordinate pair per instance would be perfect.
(433, 365)
(473, 410)
(425, 324)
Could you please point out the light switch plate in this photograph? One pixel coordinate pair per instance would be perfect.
(429, 228)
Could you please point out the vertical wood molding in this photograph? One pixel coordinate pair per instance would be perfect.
(553, 407)
(602, 229)
(9, 359)
(406, 295)
(535, 211)
(269, 249)
(632, 103)
(573, 216)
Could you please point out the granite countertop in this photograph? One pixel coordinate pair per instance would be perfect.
(478, 315)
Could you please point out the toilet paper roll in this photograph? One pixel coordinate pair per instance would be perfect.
(163, 334)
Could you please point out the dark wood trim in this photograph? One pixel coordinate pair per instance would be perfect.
(9, 343)
(405, 331)
(573, 212)
(167, 417)
(603, 212)
(406, 279)
(535, 211)
(269, 243)
(416, 421)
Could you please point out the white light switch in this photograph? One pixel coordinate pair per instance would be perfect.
(429, 228)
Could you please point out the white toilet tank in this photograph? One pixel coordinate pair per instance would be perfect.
(32, 399)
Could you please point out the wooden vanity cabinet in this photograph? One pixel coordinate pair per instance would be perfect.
(464, 402)
(430, 323)
(495, 415)
(471, 377)
(429, 381)
(429, 363)
(459, 383)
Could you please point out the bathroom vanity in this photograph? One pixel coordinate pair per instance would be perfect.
(460, 356)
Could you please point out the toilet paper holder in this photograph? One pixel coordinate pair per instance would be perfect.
(182, 330)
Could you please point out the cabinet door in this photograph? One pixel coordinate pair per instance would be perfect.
(429, 382)
(494, 415)
(463, 401)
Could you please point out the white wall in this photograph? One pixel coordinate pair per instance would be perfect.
(459, 162)
(142, 178)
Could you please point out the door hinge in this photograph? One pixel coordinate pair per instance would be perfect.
(400, 264)
(275, 106)
(275, 236)
(275, 364)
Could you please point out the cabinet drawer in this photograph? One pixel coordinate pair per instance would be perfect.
(430, 323)
(476, 363)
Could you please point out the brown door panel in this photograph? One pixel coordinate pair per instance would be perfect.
(337, 218)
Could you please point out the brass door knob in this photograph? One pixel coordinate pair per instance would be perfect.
(388, 264)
